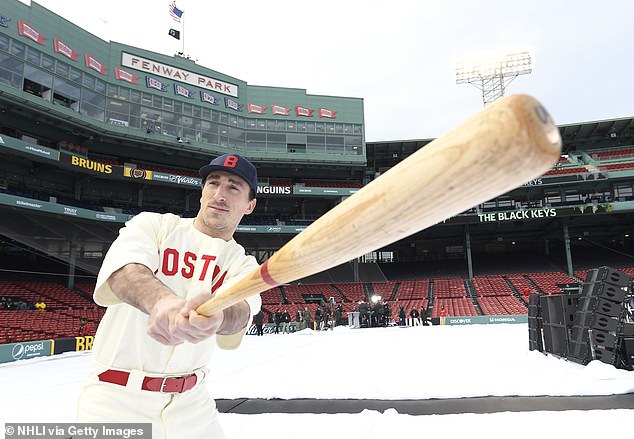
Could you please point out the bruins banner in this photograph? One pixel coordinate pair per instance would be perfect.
(85, 164)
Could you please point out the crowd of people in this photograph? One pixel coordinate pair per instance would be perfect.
(372, 314)
(327, 316)
(379, 314)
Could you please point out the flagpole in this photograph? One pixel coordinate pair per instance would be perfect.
(183, 23)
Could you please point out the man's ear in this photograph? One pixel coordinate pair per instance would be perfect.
(251, 206)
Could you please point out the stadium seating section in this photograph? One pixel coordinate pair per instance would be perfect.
(67, 314)
(71, 313)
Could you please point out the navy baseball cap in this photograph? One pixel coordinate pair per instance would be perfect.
(236, 164)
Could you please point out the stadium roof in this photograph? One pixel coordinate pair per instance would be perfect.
(588, 134)
(583, 135)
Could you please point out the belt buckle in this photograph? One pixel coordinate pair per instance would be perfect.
(164, 383)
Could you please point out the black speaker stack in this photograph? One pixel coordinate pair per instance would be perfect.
(535, 327)
(595, 324)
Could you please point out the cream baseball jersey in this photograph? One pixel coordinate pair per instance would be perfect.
(185, 260)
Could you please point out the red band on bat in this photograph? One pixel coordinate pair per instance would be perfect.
(266, 276)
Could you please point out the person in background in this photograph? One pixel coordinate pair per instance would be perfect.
(307, 318)
(286, 322)
(413, 314)
(258, 321)
(423, 315)
(277, 320)
(364, 313)
(326, 317)
(318, 316)
(401, 316)
(298, 320)
(337, 315)
(387, 313)
(442, 313)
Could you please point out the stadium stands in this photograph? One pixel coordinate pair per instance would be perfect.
(66, 313)
(504, 294)
(560, 171)
(501, 305)
(612, 153)
(455, 306)
(549, 283)
(332, 184)
(616, 166)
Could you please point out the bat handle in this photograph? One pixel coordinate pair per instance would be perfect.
(236, 293)
(216, 304)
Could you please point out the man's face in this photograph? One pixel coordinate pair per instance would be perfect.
(223, 203)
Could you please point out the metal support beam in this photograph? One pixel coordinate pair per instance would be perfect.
(468, 251)
(568, 254)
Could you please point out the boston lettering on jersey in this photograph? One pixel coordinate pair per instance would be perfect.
(174, 263)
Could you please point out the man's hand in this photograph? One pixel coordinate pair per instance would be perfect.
(198, 326)
(173, 320)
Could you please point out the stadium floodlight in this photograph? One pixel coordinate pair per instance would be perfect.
(492, 74)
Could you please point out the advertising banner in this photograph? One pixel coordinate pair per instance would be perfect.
(25, 350)
(486, 320)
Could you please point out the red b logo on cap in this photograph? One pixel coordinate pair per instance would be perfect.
(230, 162)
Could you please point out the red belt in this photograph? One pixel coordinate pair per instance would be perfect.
(177, 384)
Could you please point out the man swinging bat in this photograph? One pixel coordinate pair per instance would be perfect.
(152, 348)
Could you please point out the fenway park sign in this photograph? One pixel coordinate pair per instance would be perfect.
(177, 74)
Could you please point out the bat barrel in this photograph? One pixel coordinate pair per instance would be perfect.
(505, 145)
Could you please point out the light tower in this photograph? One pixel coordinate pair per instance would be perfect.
(492, 74)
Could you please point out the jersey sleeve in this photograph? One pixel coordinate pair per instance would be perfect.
(232, 341)
(138, 242)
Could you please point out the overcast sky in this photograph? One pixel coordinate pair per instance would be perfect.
(398, 55)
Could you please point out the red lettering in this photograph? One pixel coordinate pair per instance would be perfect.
(219, 282)
(170, 262)
(231, 161)
(171, 265)
(188, 270)
(145, 65)
(207, 259)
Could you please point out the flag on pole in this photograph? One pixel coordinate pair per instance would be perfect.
(175, 13)
(175, 33)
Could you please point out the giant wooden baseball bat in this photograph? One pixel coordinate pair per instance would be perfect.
(503, 146)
